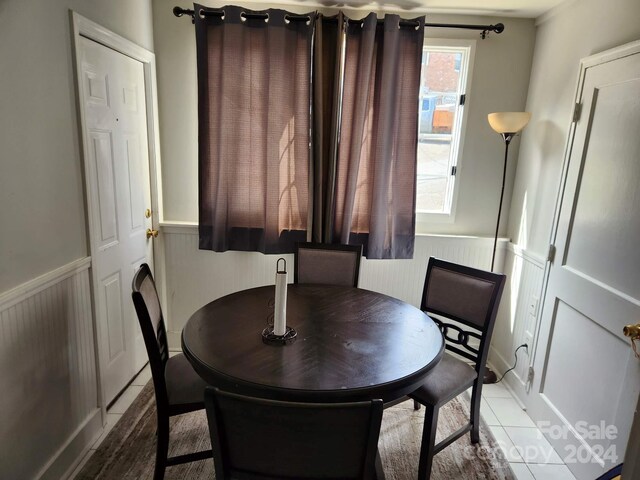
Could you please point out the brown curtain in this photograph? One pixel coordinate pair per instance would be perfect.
(375, 185)
(254, 95)
(327, 93)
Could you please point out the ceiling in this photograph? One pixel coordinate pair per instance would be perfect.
(504, 8)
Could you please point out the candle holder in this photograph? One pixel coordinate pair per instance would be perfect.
(270, 338)
(279, 333)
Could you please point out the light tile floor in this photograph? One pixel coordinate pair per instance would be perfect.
(530, 456)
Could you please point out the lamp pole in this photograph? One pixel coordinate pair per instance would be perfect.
(507, 137)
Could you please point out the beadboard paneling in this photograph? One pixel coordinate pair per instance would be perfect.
(47, 372)
(196, 277)
(517, 321)
(404, 279)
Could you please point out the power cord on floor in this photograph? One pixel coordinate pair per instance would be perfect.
(525, 346)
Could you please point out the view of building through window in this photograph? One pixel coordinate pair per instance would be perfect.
(444, 71)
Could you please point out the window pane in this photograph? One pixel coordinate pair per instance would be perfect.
(433, 156)
(439, 126)
(432, 192)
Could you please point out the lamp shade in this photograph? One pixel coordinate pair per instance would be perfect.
(508, 122)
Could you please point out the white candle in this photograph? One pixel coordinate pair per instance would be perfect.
(280, 312)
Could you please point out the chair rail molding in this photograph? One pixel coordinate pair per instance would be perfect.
(42, 282)
(196, 277)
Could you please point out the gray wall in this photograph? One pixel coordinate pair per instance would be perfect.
(49, 382)
(42, 217)
(573, 31)
(500, 82)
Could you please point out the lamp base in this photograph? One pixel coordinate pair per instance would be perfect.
(489, 376)
(269, 338)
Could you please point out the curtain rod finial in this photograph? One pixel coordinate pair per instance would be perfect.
(179, 12)
(497, 28)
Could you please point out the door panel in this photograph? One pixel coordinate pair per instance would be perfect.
(589, 380)
(562, 386)
(102, 162)
(603, 213)
(113, 316)
(115, 119)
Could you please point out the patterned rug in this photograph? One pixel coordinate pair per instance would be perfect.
(128, 451)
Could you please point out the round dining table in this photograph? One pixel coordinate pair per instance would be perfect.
(352, 345)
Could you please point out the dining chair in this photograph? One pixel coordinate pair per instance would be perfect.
(178, 387)
(327, 264)
(463, 301)
(262, 439)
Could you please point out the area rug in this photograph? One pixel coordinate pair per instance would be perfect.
(128, 451)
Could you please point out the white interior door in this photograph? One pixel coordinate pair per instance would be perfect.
(587, 378)
(115, 112)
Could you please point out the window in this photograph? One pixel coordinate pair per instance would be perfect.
(445, 79)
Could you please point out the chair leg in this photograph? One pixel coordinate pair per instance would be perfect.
(162, 447)
(416, 405)
(427, 448)
(379, 471)
(476, 398)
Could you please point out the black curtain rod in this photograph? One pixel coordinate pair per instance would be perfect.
(497, 28)
(178, 12)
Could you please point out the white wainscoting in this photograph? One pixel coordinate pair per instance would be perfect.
(49, 402)
(195, 277)
(517, 318)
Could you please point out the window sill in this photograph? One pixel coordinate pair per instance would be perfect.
(425, 219)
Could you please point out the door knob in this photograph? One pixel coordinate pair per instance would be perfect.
(633, 332)
(152, 233)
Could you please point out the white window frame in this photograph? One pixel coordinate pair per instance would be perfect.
(459, 128)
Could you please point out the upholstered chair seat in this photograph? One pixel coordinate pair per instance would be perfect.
(445, 381)
(184, 385)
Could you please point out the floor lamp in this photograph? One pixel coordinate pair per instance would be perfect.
(507, 124)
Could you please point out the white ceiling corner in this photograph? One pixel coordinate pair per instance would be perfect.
(502, 8)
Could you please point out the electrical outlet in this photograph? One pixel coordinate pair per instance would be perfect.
(528, 339)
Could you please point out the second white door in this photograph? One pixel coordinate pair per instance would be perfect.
(588, 378)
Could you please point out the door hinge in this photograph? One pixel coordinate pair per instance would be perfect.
(530, 375)
(454, 170)
(463, 98)
(576, 112)
(552, 253)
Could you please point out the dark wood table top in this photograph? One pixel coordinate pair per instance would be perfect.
(352, 345)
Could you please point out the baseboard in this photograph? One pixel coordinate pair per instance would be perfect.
(67, 458)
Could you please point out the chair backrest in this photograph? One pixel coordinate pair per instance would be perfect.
(470, 298)
(147, 304)
(255, 439)
(327, 264)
